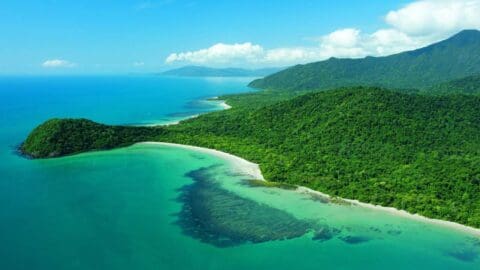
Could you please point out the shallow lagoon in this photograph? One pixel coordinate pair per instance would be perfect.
(160, 207)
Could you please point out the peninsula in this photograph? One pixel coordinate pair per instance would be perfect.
(414, 150)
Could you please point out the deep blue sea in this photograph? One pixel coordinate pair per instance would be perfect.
(160, 207)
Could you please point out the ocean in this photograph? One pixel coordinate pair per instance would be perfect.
(161, 207)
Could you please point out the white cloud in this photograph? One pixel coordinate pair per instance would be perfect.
(58, 63)
(138, 64)
(219, 53)
(415, 25)
(435, 17)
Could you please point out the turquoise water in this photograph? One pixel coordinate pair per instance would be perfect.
(159, 207)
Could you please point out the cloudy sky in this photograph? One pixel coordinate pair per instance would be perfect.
(55, 36)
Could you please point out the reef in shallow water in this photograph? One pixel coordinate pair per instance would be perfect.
(221, 218)
(325, 234)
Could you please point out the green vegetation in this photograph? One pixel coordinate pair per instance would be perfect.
(467, 85)
(405, 149)
(453, 58)
(59, 137)
(413, 152)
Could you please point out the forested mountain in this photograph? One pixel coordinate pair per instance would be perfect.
(60, 137)
(467, 85)
(450, 59)
(420, 153)
(198, 71)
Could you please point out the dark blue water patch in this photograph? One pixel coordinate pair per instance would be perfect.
(394, 232)
(392, 229)
(221, 218)
(375, 229)
(325, 233)
(464, 254)
(354, 239)
(198, 156)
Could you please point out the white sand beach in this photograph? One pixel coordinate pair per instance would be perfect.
(239, 165)
(225, 105)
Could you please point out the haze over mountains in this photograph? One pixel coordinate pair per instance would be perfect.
(454, 58)
(200, 71)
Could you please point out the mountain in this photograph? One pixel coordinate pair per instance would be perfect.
(467, 85)
(420, 153)
(198, 71)
(450, 59)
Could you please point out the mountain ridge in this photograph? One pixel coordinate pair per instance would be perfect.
(440, 62)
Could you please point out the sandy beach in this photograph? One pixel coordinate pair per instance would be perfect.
(238, 164)
(225, 106)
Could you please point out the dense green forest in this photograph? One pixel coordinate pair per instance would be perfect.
(450, 59)
(59, 137)
(467, 85)
(414, 152)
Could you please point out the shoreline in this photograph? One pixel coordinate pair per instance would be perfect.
(221, 103)
(396, 212)
(239, 164)
(170, 123)
(251, 169)
(224, 105)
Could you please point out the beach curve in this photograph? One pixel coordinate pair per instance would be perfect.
(243, 166)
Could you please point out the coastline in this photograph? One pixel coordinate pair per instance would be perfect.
(221, 103)
(224, 105)
(251, 169)
(397, 212)
(239, 164)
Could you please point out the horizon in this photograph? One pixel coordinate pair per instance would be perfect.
(142, 37)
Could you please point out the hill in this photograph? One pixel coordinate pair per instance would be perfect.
(450, 59)
(467, 85)
(60, 137)
(419, 153)
(198, 71)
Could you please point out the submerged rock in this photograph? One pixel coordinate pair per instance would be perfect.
(221, 218)
(325, 234)
(352, 239)
(466, 255)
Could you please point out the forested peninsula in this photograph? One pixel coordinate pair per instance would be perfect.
(414, 149)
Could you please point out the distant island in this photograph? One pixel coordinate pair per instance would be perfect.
(199, 71)
(414, 147)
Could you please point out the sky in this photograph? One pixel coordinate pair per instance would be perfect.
(136, 36)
